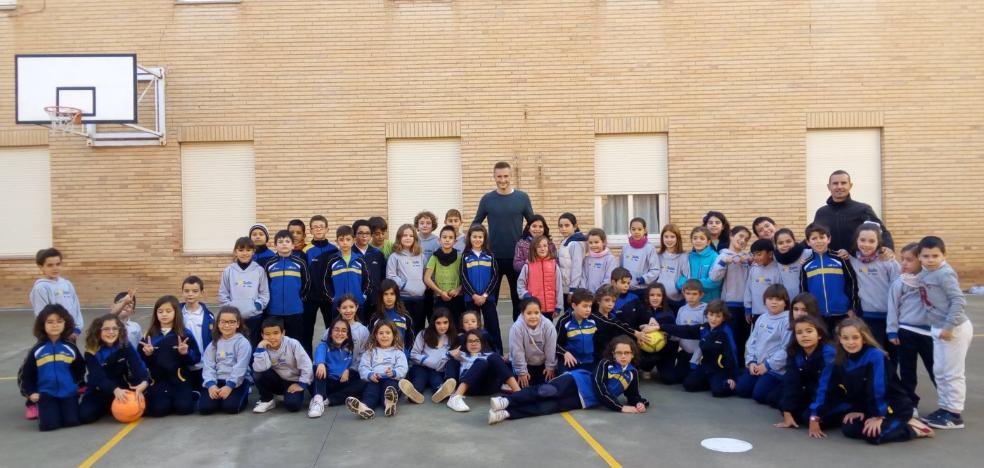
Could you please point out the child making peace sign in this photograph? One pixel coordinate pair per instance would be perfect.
(169, 350)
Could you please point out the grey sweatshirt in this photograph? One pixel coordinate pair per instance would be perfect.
(378, 359)
(434, 358)
(944, 300)
(735, 276)
(570, 257)
(290, 361)
(672, 265)
(642, 263)
(429, 245)
(905, 307)
(768, 340)
(759, 279)
(247, 290)
(791, 274)
(874, 280)
(57, 291)
(408, 272)
(691, 316)
(226, 360)
(532, 347)
(597, 270)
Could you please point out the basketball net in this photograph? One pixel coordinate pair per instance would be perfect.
(64, 119)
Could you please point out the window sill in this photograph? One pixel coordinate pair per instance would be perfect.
(205, 254)
(204, 2)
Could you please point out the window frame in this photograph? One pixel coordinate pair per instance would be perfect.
(619, 240)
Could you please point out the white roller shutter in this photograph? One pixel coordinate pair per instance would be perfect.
(25, 200)
(422, 174)
(218, 195)
(857, 151)
(630, 164)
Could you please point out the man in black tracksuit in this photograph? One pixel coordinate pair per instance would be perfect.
(842, 215)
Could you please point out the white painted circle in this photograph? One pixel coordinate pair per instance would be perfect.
(724, 444)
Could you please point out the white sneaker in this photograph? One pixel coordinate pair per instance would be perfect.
(497, 416)
(499, 403)
(264, 406)
(408, 389)
(357, 407)
(316, 408)
(447, 388)
(457, 403)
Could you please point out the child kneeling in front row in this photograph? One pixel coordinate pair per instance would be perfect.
(54, 370)
(615, 376)
(714, 365)
(282, 367)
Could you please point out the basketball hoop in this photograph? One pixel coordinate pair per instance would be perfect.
(63, 118)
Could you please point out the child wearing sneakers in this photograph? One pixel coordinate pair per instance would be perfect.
(382, 366)
(53, 371)
(765, 352)
(532, 345)
(334, 378)
(907, 323)
(281, 367)
(429, 358)
(951, 330)
(481, 372)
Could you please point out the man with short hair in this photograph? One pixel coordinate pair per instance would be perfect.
(506, 209)
(842, 215)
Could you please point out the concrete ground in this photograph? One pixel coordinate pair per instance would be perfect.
(668, 435)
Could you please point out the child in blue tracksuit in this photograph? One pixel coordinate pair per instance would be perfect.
(714, 365)
(225, 368)
(169, 350)
(334, 378)
(346, 271)
(875, 277)
(765, 352)
(479, 281)
(289, 283)
(575, 333)
(390, 307)
(701, 260)
(199, 320)
(260, 236)
(382, 366)
(640, 257)
(614, 377)
(113, 368)
(907, 323)
(53, 370)
(830, 279)
(317, 255)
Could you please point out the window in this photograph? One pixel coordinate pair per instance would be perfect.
(422, 174)
(630, 181)
(218, 195)
(8, 4)
(857, 151)
(25, 200)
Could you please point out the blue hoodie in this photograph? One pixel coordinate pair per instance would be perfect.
(832, 282)
(54, 368)
(700, 269)
(289, 283)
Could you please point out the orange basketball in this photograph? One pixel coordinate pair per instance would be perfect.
(129, 411)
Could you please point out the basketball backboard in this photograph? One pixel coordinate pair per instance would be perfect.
(102, 86)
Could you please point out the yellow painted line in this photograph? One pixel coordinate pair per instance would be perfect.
(8, 378)
(109, 445)
(591, 441)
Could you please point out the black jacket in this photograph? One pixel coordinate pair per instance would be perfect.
(843, 218)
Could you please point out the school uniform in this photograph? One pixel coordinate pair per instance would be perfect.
(133, 331)
(760, 278)
(289, 283)
(570, 258)
(277, 369)
(404, 324)
(597, 269)
(262, 254)
(226, 364)
(672, 266)
(375, 362)
(625, 305)
(57, 291)
(54, 370)
(346, 276)
(609, 327)
(408, 272)
(480, 275)
(453, 367)
(833, 282)
(428, 245)
(108, 368)
(766, 345)
(734, 281)
(804, 377)
(170, 389)
(337, 361)
(199, 322)
(663, 362)
(642, 262)
(945, 303)
(542, 279)
(678, 368)
(714, 362)
(700, 269)
(484, 372)
(376, 266)
(533, 350)
(317, 256)
(908, 321)
(521, 255)
(875, 277)
(579, 389)
(576, 337)
(247, 288)
(791, 269)
(428, 363)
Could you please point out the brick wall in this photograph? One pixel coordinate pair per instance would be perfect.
(314, 84)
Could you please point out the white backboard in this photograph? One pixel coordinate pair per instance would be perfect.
(103, 86)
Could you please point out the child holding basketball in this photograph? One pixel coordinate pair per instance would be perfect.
(281, 367)
(532, 345)
(54, 370)
(382, 366)
(579, 389)
(113, 369)
(225, 365)
(169, 350)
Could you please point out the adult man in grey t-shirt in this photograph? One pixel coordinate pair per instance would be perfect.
(506, 208)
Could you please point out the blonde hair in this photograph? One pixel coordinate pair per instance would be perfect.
(398, 245)
(536, 241)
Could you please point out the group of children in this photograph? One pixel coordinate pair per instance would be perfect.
(418, 314)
